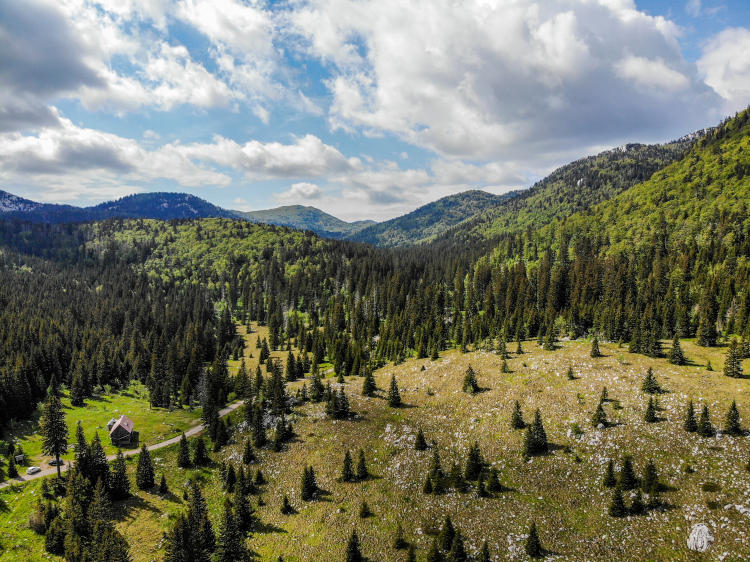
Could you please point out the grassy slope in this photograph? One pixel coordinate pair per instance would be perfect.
(153, 424)
(429, 221)
(563, 495)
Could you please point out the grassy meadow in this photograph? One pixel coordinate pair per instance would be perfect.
(561, 491)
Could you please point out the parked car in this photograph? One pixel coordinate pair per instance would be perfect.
(54, 462)
(33, 470)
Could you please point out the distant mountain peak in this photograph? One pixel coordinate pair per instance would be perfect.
(13, 203)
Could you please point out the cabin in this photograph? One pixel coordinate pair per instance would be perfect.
(121, 431)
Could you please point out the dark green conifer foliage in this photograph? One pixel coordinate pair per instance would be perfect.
(434, 554)
(119, 483)
(595, 348)
(571, 374)
(200, 453)
(628, 478)
(364, 510)
(353, 552)
(144, 477)
(470, 385)
(481, 488)
(650, 481)
(504, 367)
(516, 420)
(183, 457)
(733, 360)
(455, 478)
(362, 472)
(533, 545)
(203, 539)
(474, 463)
(399, 543)
(609, 476)
(53, 429)
(457, 552)
(12, 468)
(733, 425)
(427, 487)
(286, 507)
(248, 455)
(309, 484)
(163, 488)
(650, 415)
(493, 482)
(484, 555)
(637, 507)
(600, 417)
(259, 479)
(447, 533)
(230, 479)
(617, 505)
(420, 444)
(394, 397)
(259, 429)
(347, 473)
(650, 384)
(230, 545)
(690, 424)
(705, 428)
(411, 554)
(54, 541)
(676, 356)
(245, 513)
(535, 440)
(368, 385)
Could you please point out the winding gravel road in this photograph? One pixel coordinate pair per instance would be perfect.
(129, 453)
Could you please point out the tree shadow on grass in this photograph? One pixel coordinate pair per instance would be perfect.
(123, 510)
(268, 528)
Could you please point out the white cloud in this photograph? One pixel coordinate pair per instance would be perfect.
(302, 191)
(725, 66)
(484, 81)
(651, 74)
(693, 7)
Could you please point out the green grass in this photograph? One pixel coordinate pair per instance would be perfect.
(562, 492)
(153, 424)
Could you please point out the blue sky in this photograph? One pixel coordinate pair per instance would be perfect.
(364, 108)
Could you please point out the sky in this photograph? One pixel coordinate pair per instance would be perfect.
(366, 109)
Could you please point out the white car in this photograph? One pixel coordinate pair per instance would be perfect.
(33, 470)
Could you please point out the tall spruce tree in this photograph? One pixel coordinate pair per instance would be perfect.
(230, 544)
(705, 428)
(53, 428)
(535, 440)
(362, 472)
(516, 420)
(353, 552)
(650, 415)
(650, 385)
(394, 396)
(617, 505)
(690, 425)
(676, 356)
(532, 545)
(183, 456)
(368, 385)
(144, 476)
(732, 425)
(420, 444)
(119, 483)
(733, 360)
(470, 385)
(595, 348)
(347, 472)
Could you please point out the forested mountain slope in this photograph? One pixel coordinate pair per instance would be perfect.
(573, 188)
(306, 218)
(431, 220)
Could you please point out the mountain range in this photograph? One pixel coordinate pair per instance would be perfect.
(470, 215)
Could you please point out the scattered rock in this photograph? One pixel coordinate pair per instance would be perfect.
(700, 538)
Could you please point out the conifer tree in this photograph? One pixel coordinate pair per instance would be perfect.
(457, 552)
(144, 477)
(201, 531)
(733, 360)
(690, 425)
(637, 507)
(650, 384)
(455, 479)
(533, 545)
(259, 430)
(571, 374)
(53, 428)
(347, 473)
(732, 425)
(474, 463)
(628, 478)
(595, 348)
(12, 468)
(493, 482)
(200, 453)
(519, 347)
(163, 488)
(394, 397)
(650, 481)
(259, 479)
(362, 472)
(309, 484)
(183, 457)
(609, 476)
(119, 483)
(535, 440)
(516, 420)
(617, 505)
(364, 510)
(411, 555)
(248, 455)
(368, 385)
(434, 554)
(353, 552)
(676, 356)
(399, 543)
(481, 488)
(484, 554)
(286, 507)
(705, 428)
(470, 385)
(604, 397)
(230, 545)
(420, 444)
(504, 367)
(447, 533)
(600, 417)
(650, 415)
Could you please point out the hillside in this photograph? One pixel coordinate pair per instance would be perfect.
(163, 206)
(306, 218)
(573, 188)
(429, 221)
